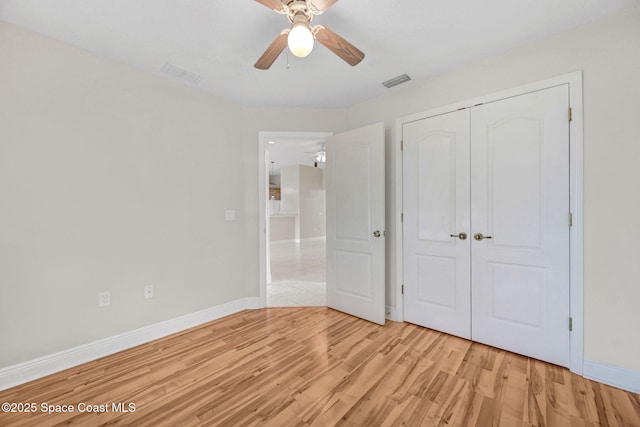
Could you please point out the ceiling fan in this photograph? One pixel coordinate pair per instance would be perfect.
(320, 155)
(300, 36)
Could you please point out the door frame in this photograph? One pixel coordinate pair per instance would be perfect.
(576, 163)
(263, 191)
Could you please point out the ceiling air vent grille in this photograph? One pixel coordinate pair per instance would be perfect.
(396, 81)
(181, 73)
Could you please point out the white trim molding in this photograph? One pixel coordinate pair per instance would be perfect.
(614, 376)
(390, 314)
(308, 239)
(37, 368)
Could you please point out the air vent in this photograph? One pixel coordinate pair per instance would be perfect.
(181, 73)
(396, 81)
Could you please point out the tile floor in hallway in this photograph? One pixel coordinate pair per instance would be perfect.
(298, 274)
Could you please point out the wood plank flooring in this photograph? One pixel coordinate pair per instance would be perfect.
(319, 367)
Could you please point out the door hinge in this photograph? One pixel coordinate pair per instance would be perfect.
(402, 289)
(570, 114)
(570, 219)
(402, 145)
(401, 217)
(570, 324)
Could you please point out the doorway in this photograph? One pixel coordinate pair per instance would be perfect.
(293, 250)
(355, 219)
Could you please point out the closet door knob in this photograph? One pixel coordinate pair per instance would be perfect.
(376, 233)
(461, 236)
(479, 236)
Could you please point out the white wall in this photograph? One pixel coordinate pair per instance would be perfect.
(302, 193)
(111, 179)
(609, 53)
(290, 190)
(312, 202)
(282, 228)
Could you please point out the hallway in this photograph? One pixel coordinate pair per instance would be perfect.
(298, 274)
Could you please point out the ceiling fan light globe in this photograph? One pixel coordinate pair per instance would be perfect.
(300, 41)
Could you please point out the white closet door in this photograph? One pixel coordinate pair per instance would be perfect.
(355, 222)
(436, 212)
(520, 199)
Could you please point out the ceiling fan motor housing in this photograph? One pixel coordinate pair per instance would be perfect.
(296, 9)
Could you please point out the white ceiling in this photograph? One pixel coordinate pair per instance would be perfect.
(290, 148)
(220, 41)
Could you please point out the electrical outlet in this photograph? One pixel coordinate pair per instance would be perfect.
(104, 299)
(148, 291)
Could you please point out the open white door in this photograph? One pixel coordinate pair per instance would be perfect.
(355, 222)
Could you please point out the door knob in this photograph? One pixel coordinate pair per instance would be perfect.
(479, 236)
(461, 236)
(376, 233)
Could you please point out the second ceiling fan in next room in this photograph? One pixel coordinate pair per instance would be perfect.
(301, 35)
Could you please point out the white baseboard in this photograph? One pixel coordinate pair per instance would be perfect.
(314, 239)
(308, 239)
(284, 241)
(390, 314)
(615, 376)
(46, 365)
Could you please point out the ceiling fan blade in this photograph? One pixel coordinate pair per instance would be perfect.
(272, 4)
(323, 4)
(273, 51)
(336, 44)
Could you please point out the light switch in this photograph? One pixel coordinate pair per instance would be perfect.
(230, 215)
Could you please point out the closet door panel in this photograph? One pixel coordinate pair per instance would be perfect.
(436, 211)
(520, 204)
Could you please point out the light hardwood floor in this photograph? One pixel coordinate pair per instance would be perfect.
(316, 366)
